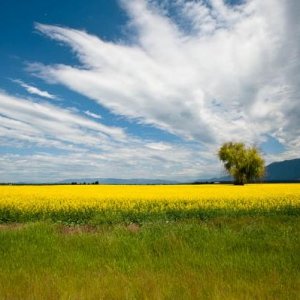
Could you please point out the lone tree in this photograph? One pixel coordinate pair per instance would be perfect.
(243, 163)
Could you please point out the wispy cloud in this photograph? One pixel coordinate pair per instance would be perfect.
(206, 73)
(47, 124)
(16, 167)
(232, 75)
(34, 90)
(64, 144)
(93, 115)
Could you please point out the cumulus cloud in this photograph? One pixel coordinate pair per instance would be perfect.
(34, 90)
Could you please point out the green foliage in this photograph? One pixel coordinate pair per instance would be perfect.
(245, 164)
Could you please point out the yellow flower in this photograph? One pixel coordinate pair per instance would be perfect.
(144, 198)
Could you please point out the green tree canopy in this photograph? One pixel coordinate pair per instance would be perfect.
(243, 163)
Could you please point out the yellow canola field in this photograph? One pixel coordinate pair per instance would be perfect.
(149, 198)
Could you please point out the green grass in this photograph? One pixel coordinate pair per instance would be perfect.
(233, 257)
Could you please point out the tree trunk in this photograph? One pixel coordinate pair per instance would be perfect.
(238, 183)
(239, 179)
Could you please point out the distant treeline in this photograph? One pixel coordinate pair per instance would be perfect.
(183, 183)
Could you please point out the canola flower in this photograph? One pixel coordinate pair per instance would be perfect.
(83, 203)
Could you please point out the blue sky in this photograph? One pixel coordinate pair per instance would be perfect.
(149, 89)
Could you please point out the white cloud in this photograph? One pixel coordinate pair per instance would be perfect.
(204, 73)
(47, 124)
(62, 144)
(159, 146)
(231, 77)
(121, 164)
(93, 115)
(34, 90)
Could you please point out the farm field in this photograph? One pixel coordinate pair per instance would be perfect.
(150, 242)
(97, 204)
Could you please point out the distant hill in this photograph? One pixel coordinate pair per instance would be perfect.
(118, 181)
(287, 170)
(284, 170)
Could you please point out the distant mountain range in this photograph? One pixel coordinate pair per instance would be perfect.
(117, 181)
(284, 170)
(287, 170)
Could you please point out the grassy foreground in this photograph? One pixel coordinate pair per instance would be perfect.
(241, 257)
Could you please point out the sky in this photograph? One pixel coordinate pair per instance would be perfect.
(145, 88)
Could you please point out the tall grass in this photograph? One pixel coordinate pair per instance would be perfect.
(221, 258)
(150, 242)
